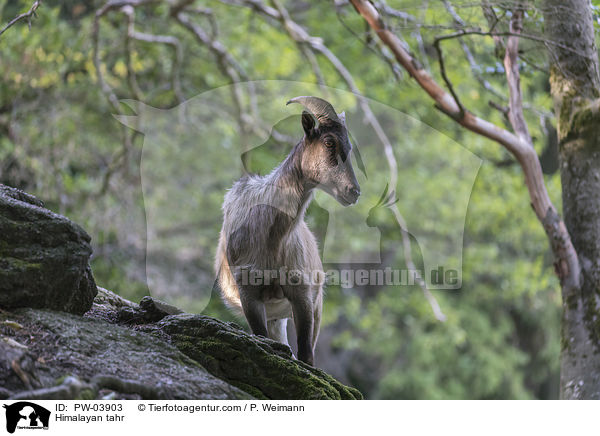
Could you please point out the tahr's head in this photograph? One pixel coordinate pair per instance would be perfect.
(326, 150)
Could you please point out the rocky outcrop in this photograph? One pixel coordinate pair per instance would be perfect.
(43, 257)
(50, 346)
(56, 355)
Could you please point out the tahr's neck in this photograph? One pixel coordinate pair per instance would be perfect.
(292, 190)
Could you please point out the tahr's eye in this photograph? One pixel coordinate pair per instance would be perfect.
(328, 142)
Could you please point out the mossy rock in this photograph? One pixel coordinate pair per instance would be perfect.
(264, 368)
(44, 257)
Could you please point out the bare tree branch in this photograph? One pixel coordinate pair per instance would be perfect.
(478, 32)
(227, 64)
(511, 66)
(108, 6)
(168, 40)
(180, 5)
(475, 68)
(129, 11)
(28, 15)
(566, 262)
(404, 16)
(120, 159)
(493, 20)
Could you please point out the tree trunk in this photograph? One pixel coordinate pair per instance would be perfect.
(575, 85)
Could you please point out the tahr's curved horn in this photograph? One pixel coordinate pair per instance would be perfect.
(321, 109)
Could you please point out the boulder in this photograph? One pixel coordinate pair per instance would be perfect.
(56, 355)
(44, 257)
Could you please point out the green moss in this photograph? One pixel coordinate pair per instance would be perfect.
(60, 380)
(20, 264)
(592, 323)
(86, 394)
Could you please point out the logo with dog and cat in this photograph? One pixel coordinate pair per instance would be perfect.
(25, 415)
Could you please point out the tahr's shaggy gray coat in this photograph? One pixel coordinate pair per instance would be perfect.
(264, 231)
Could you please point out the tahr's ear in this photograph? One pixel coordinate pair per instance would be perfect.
(308, 122)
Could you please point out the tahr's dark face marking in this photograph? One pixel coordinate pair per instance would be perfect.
(326, 158)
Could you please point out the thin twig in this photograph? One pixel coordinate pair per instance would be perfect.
(475, 68)
(478, 32)
(438, 49)
(29, 14)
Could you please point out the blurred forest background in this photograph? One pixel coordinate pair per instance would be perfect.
(60, 142)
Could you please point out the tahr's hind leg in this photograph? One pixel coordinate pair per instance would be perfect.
(254, 311)
(304, 320)
(318, 310)
(278, 330)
